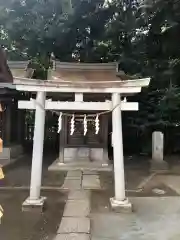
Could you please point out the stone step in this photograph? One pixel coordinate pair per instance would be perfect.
(80, 166)
(74, 175)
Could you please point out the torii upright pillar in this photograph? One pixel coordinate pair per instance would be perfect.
(119, 203)
(35, 200)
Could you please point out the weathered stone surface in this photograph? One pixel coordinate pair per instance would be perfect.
(121, 206)
(91, 182)
(73, 236)
(154, 219)
(157, 146)
(77, 208)
(74, 225)
(74, 175)
(34, 205)
(72, 166)
(79, 194)
(72, 184)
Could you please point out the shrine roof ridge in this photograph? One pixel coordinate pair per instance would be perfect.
(86, 66)
(69, 65)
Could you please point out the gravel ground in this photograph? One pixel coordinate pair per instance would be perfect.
(18, 225)
(19, 174)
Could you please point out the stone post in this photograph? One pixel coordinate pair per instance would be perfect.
(37, 157)
(158, 162)
(119, 203)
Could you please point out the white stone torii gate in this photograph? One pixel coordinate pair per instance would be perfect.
(119, 201)
(78, 106)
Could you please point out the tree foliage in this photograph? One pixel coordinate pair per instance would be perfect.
(142, 35)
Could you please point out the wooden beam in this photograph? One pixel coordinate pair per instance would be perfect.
(80, 106)
(123, 90)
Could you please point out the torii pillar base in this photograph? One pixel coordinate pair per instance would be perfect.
(34, 205)
(121, 206)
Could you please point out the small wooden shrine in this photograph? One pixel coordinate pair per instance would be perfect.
(81, 95)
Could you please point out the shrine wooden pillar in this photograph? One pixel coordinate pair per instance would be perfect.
(21, 126)
(10, 122)
(7, 124)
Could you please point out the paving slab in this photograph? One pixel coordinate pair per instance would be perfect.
(73, 236)
(91, 182)
(77, 208)
(74, 225)
(72, 184)
(79, 194)
(74, 175)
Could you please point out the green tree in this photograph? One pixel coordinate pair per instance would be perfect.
(143, 36)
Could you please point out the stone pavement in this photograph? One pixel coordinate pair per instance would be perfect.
(77, 179)
(154, 219)
(75, 224)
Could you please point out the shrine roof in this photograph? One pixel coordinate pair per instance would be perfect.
(77, 72)
(87, 73)
(69, 76)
